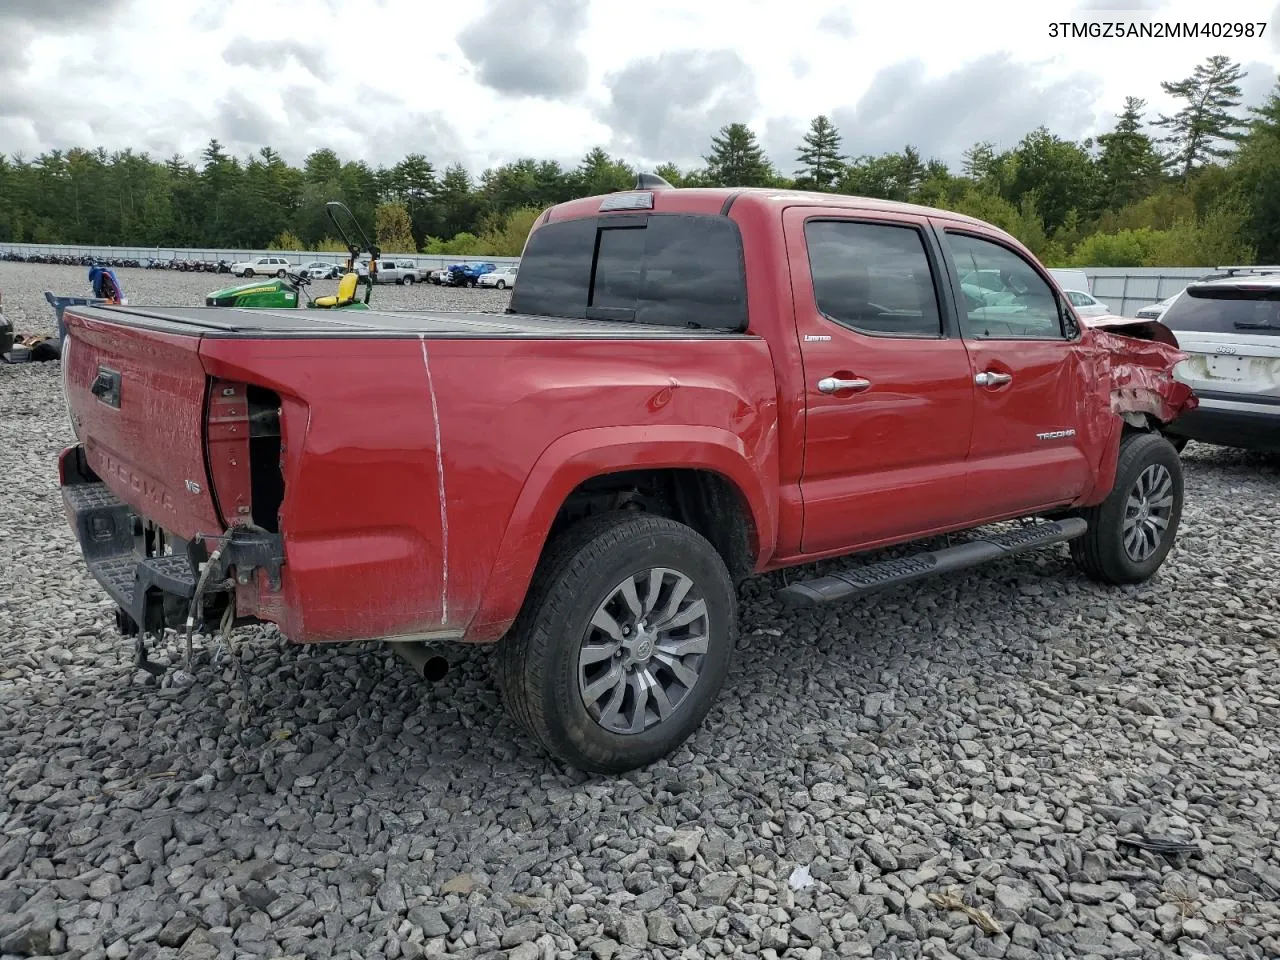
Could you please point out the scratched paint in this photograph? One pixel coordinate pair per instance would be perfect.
(444, 501)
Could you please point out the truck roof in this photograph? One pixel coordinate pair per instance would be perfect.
(722, 199)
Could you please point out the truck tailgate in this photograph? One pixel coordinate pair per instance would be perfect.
(137, 400)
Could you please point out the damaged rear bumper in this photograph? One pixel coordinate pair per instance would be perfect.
(152, 576)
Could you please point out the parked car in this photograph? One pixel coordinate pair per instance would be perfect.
(321, 270)
(439, 277)
(467, 274)
(594, 524)
(1156, 310)
(262, 266)
(502, 278)
(1230, 329)
(1086, 305)
(400, 270)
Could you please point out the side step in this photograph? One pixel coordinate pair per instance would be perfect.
(859, 581)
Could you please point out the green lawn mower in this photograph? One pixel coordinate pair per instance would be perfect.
(291, 289)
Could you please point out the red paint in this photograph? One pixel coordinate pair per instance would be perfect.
(227, 440)
(522, 422)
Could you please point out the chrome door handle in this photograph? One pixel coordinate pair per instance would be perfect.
(990, 378)
(835, 385)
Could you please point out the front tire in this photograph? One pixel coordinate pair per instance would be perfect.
(280, 274)
(1132, 531)
(623, 642)
(501, 284)
(408, 281)
(248, 273)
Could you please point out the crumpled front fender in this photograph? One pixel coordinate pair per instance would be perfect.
(1131, 367)
(1136, 360)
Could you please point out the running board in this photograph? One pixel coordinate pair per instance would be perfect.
(859, 581)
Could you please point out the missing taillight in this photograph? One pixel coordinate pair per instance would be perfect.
(243, 443)
(266, 478)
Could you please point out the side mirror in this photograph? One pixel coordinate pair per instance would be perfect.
(1067, 317)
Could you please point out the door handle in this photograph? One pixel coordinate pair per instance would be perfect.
(836, 385)
(989, 378)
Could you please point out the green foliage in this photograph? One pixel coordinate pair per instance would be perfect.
(393, 229)
(1129, 165)
(737, 159)
(286, 241)
(819, 155)
(1197, 131)
(462, 245)
(508, 239)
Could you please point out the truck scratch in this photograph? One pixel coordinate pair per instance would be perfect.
(444, 504)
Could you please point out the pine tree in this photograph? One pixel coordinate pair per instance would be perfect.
(819, 156)
(736, 159)
(1197, 131)
(979, 160)
(1129, 162)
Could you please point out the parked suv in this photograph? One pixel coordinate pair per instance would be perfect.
(502, 278)
(262, 266)
(1230, 328)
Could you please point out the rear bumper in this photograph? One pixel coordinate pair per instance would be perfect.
(1230, 423)
(151, 575)
(153, 591)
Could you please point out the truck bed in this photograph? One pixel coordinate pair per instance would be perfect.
(231, 322)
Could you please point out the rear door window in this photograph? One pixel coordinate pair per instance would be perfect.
(670, 269)
(1226, 310)
(873, 277)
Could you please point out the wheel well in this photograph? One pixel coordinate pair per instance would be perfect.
(702, 499)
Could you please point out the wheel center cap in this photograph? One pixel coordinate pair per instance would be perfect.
(643, 649)
(1144, 510)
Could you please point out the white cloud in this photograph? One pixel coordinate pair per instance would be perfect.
(552, 78)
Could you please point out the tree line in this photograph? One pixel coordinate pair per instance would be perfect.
(1198, 187)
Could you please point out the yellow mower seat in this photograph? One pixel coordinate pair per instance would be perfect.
(346, 292)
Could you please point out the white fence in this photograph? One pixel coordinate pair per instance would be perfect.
(1125, 290)
(299, 257)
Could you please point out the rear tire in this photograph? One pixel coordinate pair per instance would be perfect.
(248, 273)
(1132, 531)
(408, 281)
(598, 649)
(280, 274)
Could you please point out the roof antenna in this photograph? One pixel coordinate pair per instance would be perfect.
(651, 181)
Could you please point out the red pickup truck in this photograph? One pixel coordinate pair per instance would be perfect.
(690, 386)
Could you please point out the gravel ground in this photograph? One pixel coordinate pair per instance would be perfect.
(893, 778)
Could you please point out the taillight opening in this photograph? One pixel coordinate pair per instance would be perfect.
(265, 476)
(243, 445)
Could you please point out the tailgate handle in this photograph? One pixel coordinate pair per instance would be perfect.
(106, 387)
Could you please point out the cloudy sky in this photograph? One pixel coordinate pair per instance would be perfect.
(485, 81)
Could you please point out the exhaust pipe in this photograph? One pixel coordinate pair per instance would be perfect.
(430, 666)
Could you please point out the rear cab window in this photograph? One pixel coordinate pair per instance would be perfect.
(680, 270)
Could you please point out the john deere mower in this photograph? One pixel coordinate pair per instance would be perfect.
(291, 289)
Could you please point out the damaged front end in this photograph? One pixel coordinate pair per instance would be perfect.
(1134, 371)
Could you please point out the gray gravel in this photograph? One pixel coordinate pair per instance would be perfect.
(882, 779)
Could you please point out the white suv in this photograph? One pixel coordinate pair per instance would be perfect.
(262, 266)
(1230, 329)
(502, 278)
